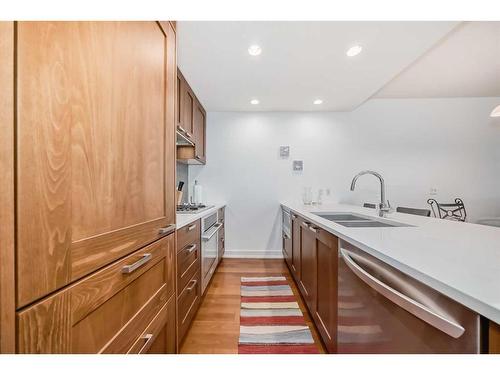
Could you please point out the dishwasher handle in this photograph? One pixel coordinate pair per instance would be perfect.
(415, 308)
(209, 234)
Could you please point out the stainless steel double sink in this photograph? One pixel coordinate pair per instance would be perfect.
(351, 220)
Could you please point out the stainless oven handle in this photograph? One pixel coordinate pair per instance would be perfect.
(413, 307)
(208, 235)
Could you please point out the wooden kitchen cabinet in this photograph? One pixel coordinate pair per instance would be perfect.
(494, 338)
(188, 276)
(93, 164)
(199, 132)
(315, 270)
(187, 103)
(95, 147)
(325, 309)
(191, 123)
(108, 311)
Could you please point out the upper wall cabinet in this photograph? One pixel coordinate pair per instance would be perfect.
(191, 124)
(95, 147)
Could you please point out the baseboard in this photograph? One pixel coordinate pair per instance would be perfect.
(254, 254)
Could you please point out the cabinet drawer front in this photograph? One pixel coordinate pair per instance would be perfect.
(114, 326)
(161, 328)
(187, 304)
(96, 289)
(188, 263)
(104, 312)
(188, 234)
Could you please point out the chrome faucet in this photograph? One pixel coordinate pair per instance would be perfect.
(384, 206)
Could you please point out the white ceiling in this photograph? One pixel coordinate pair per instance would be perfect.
(466, 63)
(301, 61)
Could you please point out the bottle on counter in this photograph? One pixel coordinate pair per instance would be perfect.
(197, 193)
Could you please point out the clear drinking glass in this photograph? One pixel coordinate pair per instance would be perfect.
(307, 195)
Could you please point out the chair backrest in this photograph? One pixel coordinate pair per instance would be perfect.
(369, 205)
(451, 211)
(414, 211)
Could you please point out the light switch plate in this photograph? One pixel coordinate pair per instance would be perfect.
(298, 165)
(284, 151)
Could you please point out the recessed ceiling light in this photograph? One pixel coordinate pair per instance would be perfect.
(354, 50)
(254, 101)
(318, 101)
(254, 50)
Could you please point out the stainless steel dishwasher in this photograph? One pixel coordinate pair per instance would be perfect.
(382, 310)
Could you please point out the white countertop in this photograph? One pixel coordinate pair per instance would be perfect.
(460, 260)
(185, 219)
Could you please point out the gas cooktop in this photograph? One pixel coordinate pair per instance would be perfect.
(191, 208)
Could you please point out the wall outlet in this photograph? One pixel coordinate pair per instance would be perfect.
(433, 191)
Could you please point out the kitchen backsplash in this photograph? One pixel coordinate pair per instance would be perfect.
(182, 175)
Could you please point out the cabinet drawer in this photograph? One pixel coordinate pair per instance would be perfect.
(188, 263)
(187, 305)
(188, 234)
(159, 336)
(106, 311)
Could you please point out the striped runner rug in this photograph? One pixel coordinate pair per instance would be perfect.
(270, 319)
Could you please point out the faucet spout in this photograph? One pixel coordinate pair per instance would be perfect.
(384, 206)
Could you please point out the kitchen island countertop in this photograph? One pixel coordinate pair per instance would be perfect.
(460, 260)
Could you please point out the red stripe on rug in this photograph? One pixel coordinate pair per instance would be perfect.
(278, 349)
(271, 320)
(268, 299)
(264, 283)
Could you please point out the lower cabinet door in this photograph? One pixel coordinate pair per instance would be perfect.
(105, 312)
(325, 312)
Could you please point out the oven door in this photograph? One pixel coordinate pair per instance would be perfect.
(209, 251)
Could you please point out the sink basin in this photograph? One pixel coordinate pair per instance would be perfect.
(341, 217)
(357, 221)
(370, 224)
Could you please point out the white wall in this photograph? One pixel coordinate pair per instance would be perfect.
(451, 145)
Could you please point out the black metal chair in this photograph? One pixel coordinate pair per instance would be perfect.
(369, 205)
(414, 211)
(451, 211)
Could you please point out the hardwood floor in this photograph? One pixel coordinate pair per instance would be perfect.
(215, 329)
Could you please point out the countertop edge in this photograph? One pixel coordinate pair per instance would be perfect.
(187, 219)
(468, 301)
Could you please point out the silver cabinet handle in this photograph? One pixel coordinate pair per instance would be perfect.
(210, 234)
(191, 248)
(148, 337)
(191, 227)
(189, 135)
(285, 236)
(132, 267)
(193, 284)
(166, 230)
(413, 307)
(305, 224)
(313, 229)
